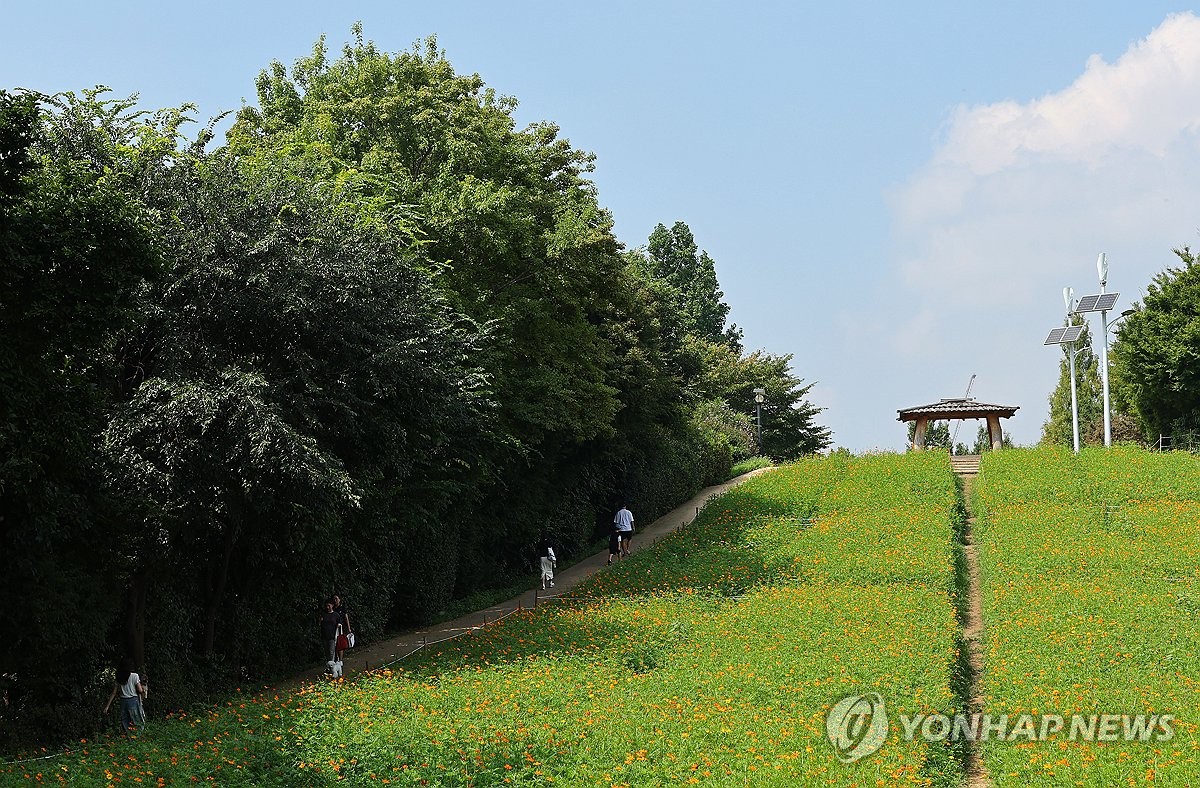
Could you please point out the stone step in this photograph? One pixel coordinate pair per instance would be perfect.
(966, 464)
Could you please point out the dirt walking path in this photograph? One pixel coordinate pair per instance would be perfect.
(977, 775)
(396, 647)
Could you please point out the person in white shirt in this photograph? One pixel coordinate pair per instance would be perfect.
(624, 523)
(132, 690)
(547, 559)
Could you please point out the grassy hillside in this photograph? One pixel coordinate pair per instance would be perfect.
(1091, 590)
(711, 658)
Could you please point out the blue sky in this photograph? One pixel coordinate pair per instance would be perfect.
(895, 196)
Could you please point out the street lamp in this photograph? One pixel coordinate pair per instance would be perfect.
(760, 396)
(1069, 300)
(1102, 303)
(1102, 270)
(1112, 325)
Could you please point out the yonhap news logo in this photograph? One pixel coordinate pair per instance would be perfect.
(857, 726)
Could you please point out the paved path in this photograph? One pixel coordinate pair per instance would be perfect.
(376, 655)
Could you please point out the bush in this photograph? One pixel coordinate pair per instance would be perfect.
(750, 464)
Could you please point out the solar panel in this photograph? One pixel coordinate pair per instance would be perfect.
(1064, 335)
(1097, 303)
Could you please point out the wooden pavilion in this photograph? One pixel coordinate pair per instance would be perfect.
(958, 408)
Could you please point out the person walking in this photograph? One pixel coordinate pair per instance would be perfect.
(343, 638)
(548, 559)
(330, 623)
(623, 521)
(614, 544)
(129, 684)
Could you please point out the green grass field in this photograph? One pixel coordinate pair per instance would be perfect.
(711, 658)
(1091, 589)
(714, 656)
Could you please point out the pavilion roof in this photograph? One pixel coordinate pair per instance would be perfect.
(956, 408)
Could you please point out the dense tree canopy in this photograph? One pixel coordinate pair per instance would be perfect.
(75, 244)
(1158, 353)
(374, 344)
(513, 231)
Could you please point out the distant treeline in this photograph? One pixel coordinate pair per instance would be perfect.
(376, 342)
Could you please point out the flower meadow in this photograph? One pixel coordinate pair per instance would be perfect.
(710, 658)
(1090, 570)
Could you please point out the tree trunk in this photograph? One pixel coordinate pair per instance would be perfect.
(217, 577)
(135, 618)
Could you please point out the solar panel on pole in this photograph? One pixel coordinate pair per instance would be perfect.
(1102, 302)
(1064, 335)
(1068, 335)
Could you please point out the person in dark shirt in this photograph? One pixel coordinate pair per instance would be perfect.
(330, 621)
(343, 642)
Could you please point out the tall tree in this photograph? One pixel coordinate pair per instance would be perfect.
(75, 245)
(692, 275)
(507, 216)
(1158, 352)
(511, 226)
(302, 410)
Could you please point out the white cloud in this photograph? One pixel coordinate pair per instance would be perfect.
(1144, 101)
(1020, 197)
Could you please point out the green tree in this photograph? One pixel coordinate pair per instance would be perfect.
(1058, 430)
(75, 245)
(303, 410)
(692, 276)
(506, 215)
(1158, 352)
(789, 421)
(510, 224)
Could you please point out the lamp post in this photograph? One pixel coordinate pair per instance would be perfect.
(760, 396)
(1102, 270)
(1069, 298)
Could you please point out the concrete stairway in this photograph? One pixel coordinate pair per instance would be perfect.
(965, 465)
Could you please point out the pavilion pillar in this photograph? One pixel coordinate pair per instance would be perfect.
(994, 432)
(919, 433)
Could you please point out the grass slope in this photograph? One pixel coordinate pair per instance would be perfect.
(1091, 589)
(711, 658)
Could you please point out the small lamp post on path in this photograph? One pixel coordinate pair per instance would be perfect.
(760, 396)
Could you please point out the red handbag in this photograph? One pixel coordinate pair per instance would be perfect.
(342, 643)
